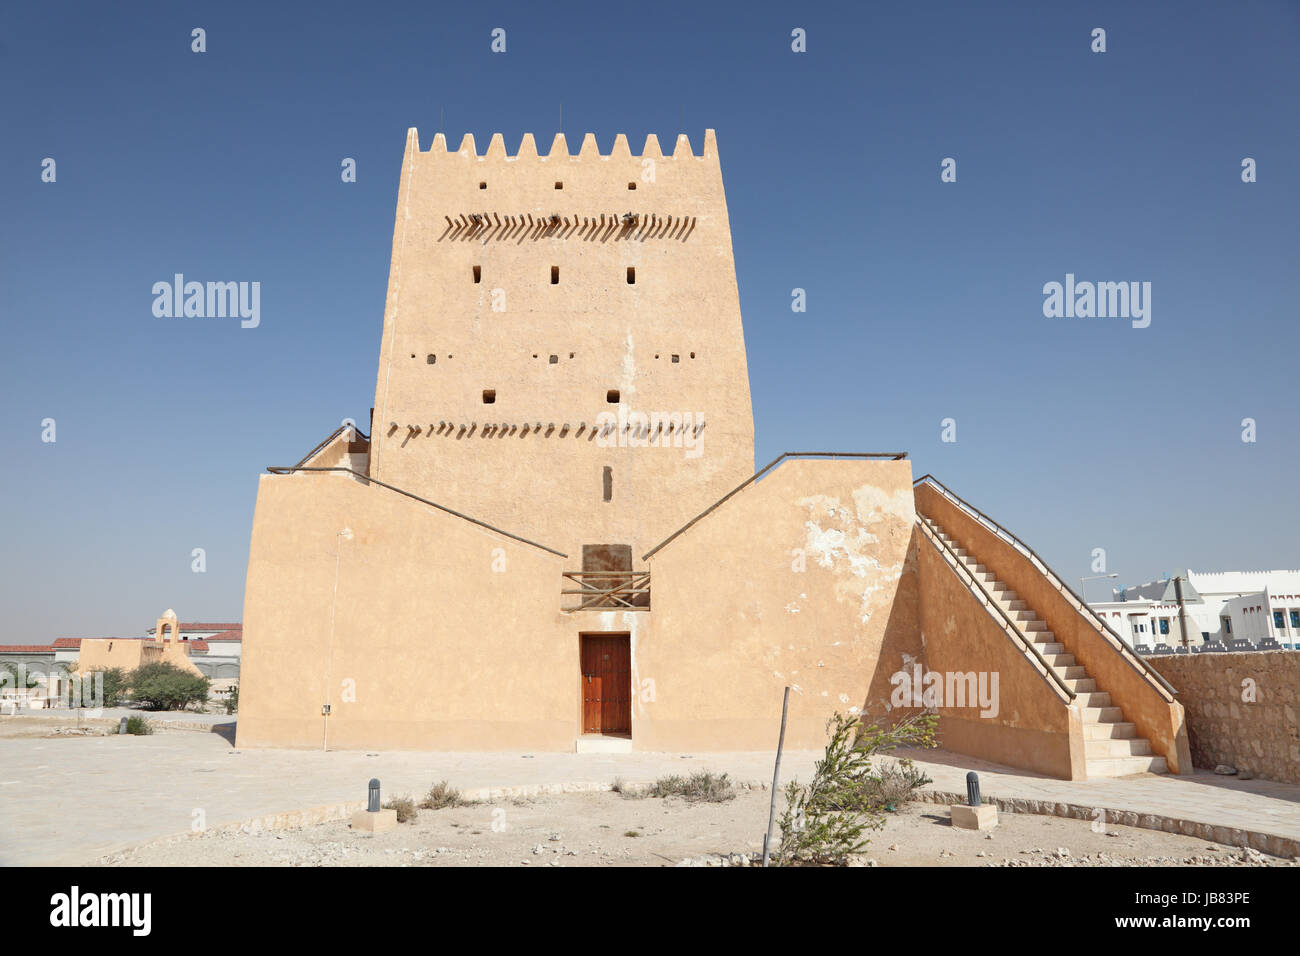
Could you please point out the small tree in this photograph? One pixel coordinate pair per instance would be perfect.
(825, 821)
(116, 684)
(232, 699)
(164, 686)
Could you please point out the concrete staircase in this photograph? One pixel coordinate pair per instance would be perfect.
(1112, 746)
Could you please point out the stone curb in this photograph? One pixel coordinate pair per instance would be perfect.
(1280, 846)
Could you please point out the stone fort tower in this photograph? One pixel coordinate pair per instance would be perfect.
(554, 537)
(562, 349)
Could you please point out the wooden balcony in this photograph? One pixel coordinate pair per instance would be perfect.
(608, 590)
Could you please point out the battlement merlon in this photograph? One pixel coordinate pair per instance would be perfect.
(560, 150)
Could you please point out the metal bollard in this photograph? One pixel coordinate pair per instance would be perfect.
(973, 789)
(374, 796)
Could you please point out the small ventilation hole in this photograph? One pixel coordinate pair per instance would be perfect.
(612, 396)
(676, 359)
(555, 275)
(489, 396)
(478, 273)
(431, 359)
(482, 185)
(631, 275)
(559, 185)
(631, 185)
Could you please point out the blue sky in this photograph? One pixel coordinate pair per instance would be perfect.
(924, 298)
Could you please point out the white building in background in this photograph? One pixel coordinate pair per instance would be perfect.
(1221, 606)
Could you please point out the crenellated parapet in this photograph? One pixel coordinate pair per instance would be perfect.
(560, 149)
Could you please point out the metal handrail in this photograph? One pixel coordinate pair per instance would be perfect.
(885, 455)
(1085, 611)
(1049, 672)
(290, 469)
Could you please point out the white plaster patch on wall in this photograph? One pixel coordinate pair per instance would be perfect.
(628, 382)
(844, 698)
(792, 608)
(838, 538)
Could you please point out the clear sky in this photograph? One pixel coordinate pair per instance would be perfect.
(924, 298)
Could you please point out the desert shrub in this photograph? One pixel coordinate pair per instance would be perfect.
(232, 700)
(440, 796)
(405, 807)
(164, 686)
(826, 820)
(703, 786)
(137, 726)
(894, 785)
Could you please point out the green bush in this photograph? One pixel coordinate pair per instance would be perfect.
(440, 796)
(702, 786)
(116, 687)
(405, 807)
(232, 700)
(137, 725)
(825, 821)
(164, 686)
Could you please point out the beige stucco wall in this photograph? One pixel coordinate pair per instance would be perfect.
(129, 654)
(1242, 709)
(547, 483)
(802, 579)
(446, 653)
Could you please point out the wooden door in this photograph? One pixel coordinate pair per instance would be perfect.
(606, 684)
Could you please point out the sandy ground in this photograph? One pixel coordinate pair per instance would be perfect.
(607, 829)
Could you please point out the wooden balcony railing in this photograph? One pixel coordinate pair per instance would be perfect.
(603, 590)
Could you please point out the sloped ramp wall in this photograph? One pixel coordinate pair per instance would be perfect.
(422, 630)
(804, 578)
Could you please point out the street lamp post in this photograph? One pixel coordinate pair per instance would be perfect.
(1083, 583)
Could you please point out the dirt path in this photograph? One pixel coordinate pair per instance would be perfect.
(606, 829)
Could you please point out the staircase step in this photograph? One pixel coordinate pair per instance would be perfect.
(1015, 604)
(1059, 660)
(1122, 766)
(1092, 699)
(1049, 649)
(1082, 685)
(1042, 637)
(1035, 626)
(1101, 715)
(1120, 730)
(1072, 672)
(1010, 595)
(1116, 747)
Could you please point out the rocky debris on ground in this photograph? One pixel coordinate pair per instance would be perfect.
(720, 859)
(1215, 856)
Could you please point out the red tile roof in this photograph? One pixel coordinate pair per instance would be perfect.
(226, 636)
(26, 648)
(196, 626)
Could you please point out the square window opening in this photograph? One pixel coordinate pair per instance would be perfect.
(489, 396)
(612, 396)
